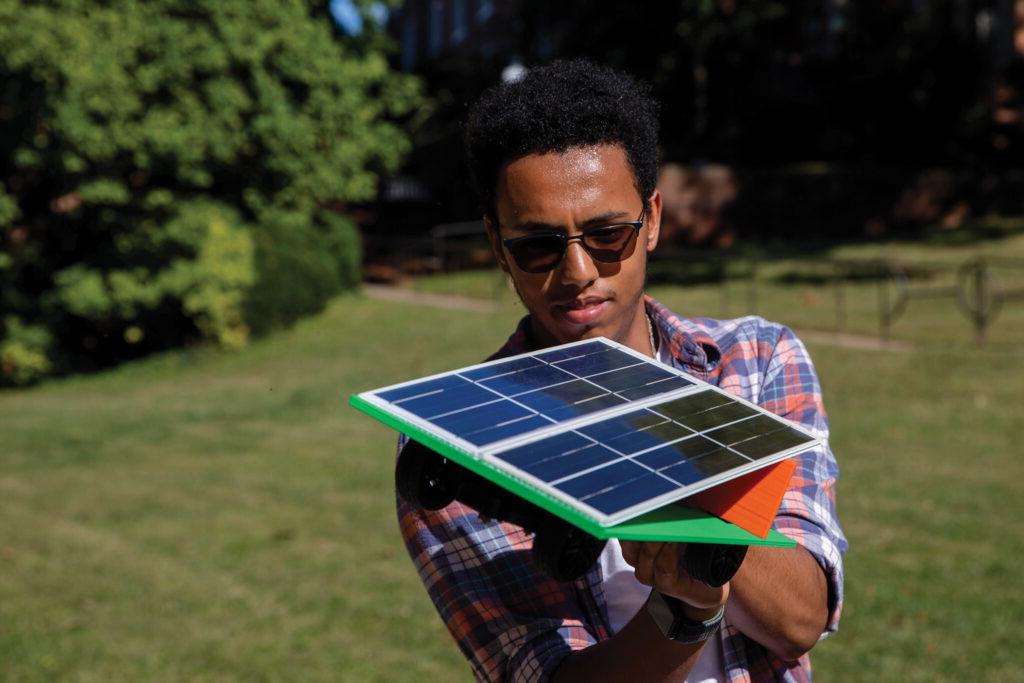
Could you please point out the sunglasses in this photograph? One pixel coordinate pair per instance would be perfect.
(542, 252)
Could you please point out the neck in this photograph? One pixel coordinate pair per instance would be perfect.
(636, 334)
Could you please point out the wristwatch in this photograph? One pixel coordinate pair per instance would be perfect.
(668, 613)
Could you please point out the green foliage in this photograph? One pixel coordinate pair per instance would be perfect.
(23, 350)
(8, 211)
(212, 286)
(300, 263)
(166, 170)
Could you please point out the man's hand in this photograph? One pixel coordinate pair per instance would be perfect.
(659, 566)
(779, 594)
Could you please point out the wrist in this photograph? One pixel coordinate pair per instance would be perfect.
(681, 622)
(699, 613)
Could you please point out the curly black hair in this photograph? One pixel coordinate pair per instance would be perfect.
(555, 107)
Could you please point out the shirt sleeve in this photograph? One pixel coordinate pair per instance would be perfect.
(511, 621)
(808, 510)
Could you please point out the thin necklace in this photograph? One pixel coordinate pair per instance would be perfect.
(650, 336)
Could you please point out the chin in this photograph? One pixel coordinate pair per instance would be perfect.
(587, 333)
(560, 333)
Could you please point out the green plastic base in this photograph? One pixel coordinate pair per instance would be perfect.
(672, 522)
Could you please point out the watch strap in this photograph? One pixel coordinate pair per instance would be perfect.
(670, 616)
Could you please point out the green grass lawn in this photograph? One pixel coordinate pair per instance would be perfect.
(208, 516)
(798, 290)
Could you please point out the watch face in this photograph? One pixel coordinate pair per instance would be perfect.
(661, 612)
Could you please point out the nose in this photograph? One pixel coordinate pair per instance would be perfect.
(577, 267)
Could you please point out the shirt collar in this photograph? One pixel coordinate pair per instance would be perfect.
(691, 348)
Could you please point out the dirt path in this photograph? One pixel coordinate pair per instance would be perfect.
(854, 341)
(449, 301)
(465, 303)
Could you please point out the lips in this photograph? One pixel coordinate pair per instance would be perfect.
(584, 311)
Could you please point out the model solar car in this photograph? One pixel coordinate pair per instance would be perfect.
(589, 441)
(565, 552)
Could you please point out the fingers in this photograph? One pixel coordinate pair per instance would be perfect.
(645, 564)
(642, 555)
(630, 551)
(658, 565)
(666, 565)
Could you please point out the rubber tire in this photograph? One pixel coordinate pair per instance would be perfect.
(565, 552)
(713, 564)
(424, 478)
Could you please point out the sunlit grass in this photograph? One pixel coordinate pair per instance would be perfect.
(211, 516)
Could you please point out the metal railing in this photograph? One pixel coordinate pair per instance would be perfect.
(973, 287)
(976, 291)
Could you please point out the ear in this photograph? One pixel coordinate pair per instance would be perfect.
(496, 247)
(654, 221)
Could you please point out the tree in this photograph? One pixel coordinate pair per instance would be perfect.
(174, 171)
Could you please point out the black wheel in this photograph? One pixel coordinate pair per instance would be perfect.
(423, 477)
(564, 552)
(713, 564)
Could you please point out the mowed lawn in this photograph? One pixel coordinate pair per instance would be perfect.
(208, 516)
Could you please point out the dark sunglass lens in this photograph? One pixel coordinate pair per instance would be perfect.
(611, 244)
(538, 254)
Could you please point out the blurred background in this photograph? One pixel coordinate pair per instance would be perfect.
(219, 219)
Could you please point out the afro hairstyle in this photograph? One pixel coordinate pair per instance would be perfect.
(556, 107)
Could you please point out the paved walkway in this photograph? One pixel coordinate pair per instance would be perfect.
(465, 303)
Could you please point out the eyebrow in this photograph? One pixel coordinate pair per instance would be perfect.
(606, 218)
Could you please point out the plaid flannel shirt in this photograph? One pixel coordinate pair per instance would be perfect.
(512, 622)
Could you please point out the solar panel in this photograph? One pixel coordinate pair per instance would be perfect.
(594, 426)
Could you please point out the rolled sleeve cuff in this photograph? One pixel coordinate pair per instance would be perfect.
(538, 659)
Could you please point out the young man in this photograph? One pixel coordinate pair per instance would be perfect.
(565, 163)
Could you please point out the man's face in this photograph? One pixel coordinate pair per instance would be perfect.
(573, 192)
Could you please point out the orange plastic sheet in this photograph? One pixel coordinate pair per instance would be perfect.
(751, 501)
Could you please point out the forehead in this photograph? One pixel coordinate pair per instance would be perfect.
(596, 178)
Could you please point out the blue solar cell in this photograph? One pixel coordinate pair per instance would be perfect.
(595, 363)
(630, 378)
(602, 479)
(586, 407)
(659, 387)
(572, 352)
(500, 431)
(422, 388)
(678, 452)
(528, 454)
(501, 368)
(541, 402)
(630, 493)
(448, 400)
(617, 426)
(480, 417)
(526, 380)
(708, 465)
(560, 395)
(561, 465)
(634, 442)
(636, 432)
